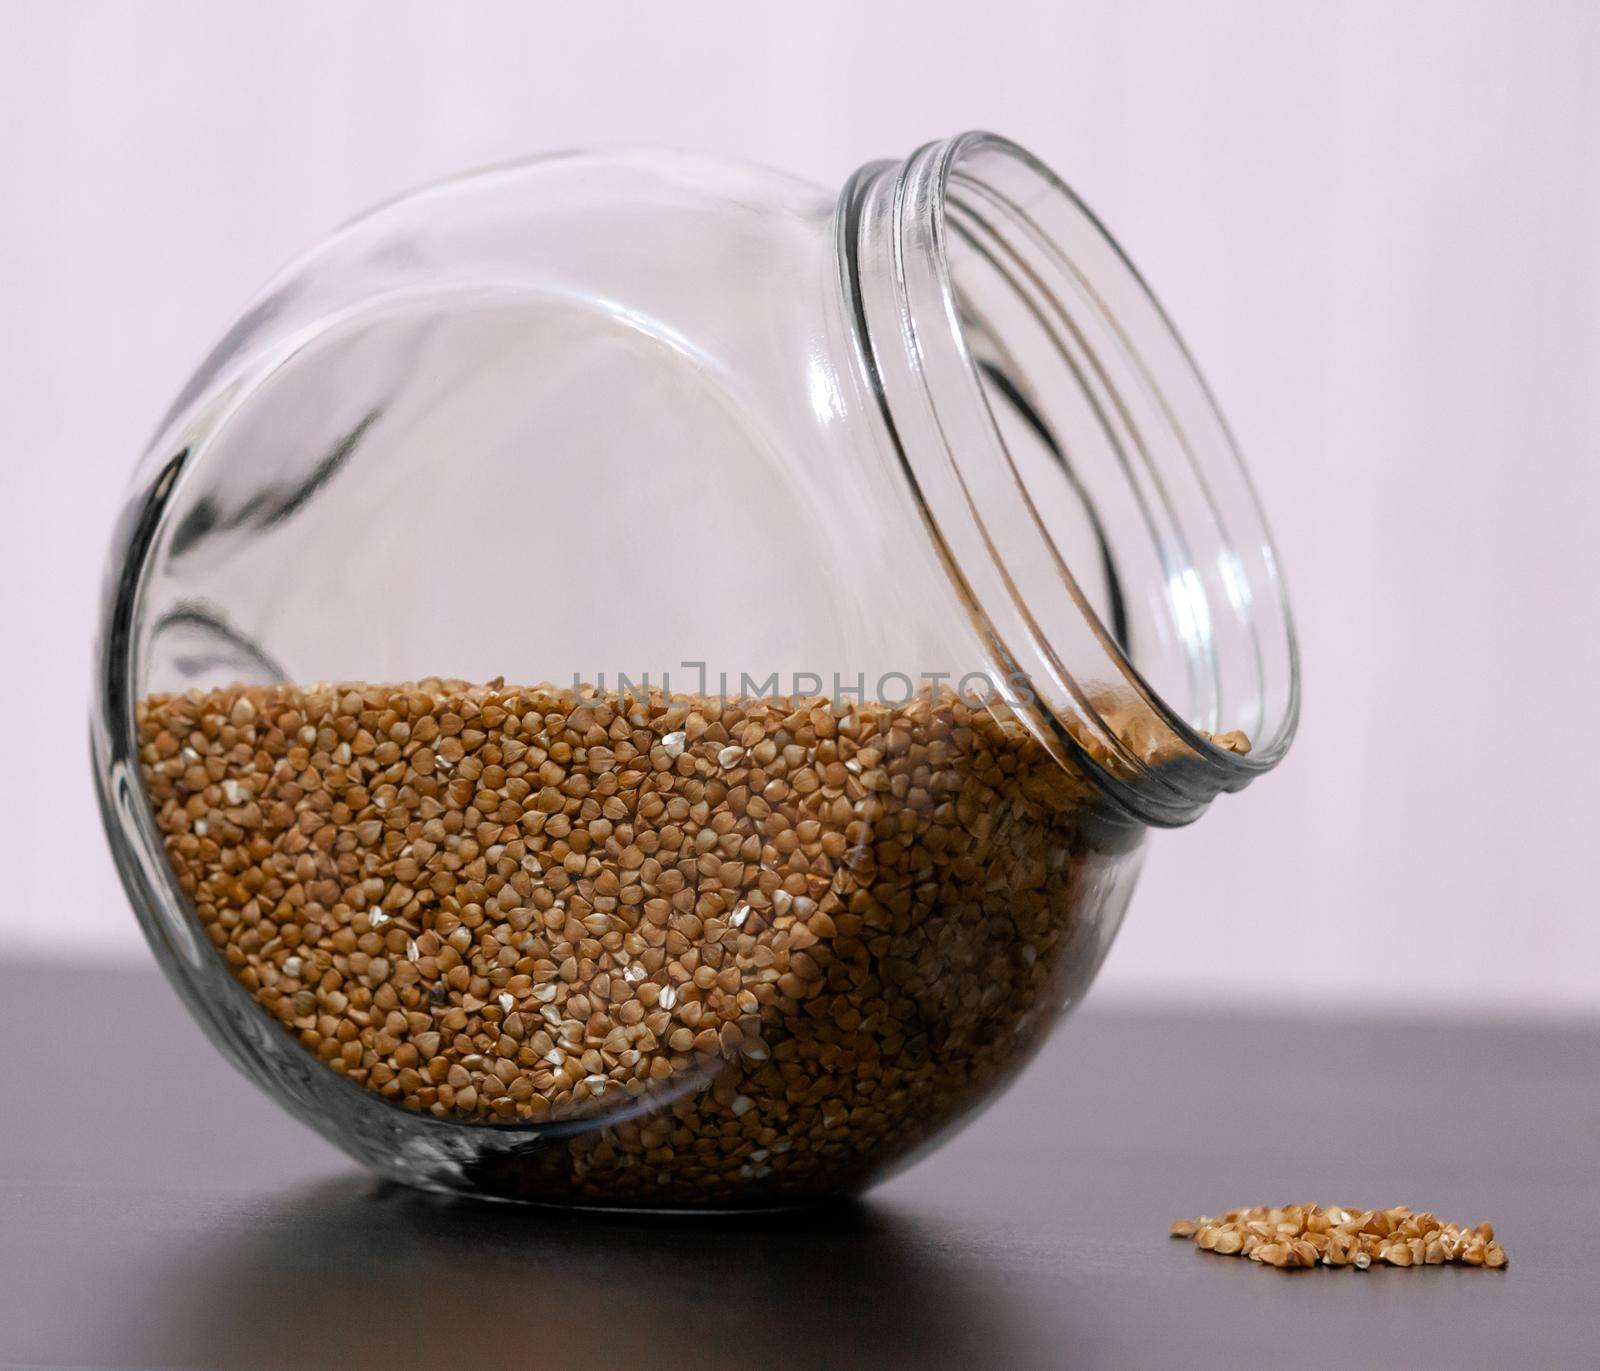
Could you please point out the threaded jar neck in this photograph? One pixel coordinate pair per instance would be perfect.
(1083, 491)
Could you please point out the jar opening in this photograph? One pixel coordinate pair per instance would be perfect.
(1086, 495)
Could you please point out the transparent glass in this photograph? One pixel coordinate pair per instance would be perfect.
(889, 572)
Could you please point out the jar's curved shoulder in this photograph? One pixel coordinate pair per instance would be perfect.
(718, 259)
(724, 270)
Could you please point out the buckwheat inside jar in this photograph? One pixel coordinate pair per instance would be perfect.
(761, 946)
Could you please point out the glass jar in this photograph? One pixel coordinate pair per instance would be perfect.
(889, 570)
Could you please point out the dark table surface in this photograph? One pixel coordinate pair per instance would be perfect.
(156, 1211)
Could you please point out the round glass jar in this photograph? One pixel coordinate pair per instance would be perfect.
(889, 571)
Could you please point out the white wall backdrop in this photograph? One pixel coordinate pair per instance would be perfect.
(1377, 223)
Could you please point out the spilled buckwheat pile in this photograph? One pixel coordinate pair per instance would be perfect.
(1299, 1235)
(767, 945)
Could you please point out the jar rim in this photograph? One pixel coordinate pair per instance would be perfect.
(897, 226)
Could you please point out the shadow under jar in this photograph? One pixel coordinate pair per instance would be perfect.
(888, 570)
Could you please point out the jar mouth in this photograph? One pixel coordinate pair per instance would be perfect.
(1085, 493)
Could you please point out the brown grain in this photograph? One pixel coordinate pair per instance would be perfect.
(1304, 1235)
(810, 934)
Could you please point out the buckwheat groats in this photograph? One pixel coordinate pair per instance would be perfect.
(1305, 1235)
(760, 946)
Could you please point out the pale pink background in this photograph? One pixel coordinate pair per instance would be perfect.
(1378, 225)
